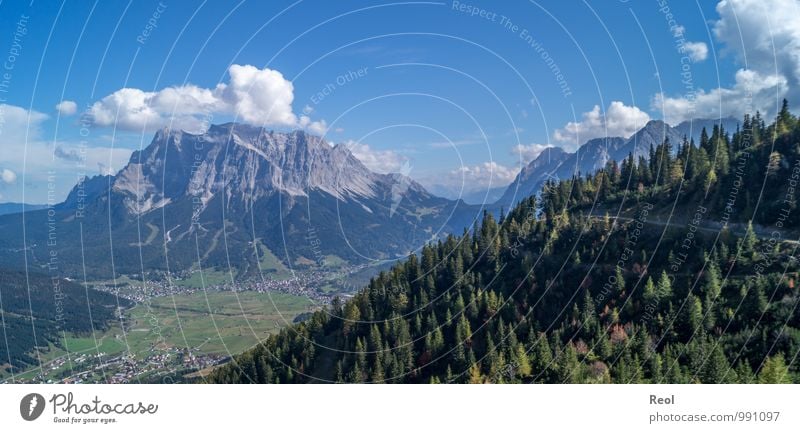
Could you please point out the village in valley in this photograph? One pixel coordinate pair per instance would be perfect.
(183, 325)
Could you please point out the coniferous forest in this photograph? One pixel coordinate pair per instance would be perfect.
(587, 206)
(37, 311)
(676, 266)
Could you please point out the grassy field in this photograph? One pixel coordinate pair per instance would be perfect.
(121, 281)
(270, 264)
(333, 261)
(205, 279)
(88, 345)
(214, 323)
(74, 347)
(220, 323)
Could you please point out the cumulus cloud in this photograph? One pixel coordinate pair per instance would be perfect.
(253, 95)
(619, 120)
(67, 108)
(137, 110)
(485, 175)
(697, 51)
(260, 95)
(381, 161)
(8, 176)
(751, 91)
(319, 127)
(764, 36)
(764, 39)
(529, 152)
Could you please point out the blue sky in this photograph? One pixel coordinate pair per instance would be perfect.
(465, 92)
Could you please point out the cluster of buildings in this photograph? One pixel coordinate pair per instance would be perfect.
(307, 283)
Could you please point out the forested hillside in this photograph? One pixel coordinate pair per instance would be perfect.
(38, 311)
(750, 174)
(622, 276)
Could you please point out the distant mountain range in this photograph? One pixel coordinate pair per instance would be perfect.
(693, 128)
(557, 164)
(236, 195)
(476, 196)
(9, 208)
(245, 197)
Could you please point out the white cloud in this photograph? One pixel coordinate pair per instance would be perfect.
(764, 38)
(18, 125)
(751, 91)
(29, 159)
(256, 96)
(475, 181)
(319, 127)
(486, 175)
(529, 152)
(619, 120)
(381, 161)
(260, 96)
(697, 51)
(67, 108)
(137, 110)
(8, 176)
(107, 160)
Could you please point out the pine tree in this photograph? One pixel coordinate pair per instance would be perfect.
(749, 243)
(474, 375)
(693, 316)
(650, 294)
(664, 287)
(774, 371)
(712, 285)
(716, 367)
(523, 364)
(744, 374)
(785, 121)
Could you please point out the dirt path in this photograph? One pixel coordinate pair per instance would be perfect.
(735, 228)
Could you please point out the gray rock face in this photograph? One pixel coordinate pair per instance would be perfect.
(252, 162)
(237, 194)
(653, 134)
(531, 178)
(556, 164)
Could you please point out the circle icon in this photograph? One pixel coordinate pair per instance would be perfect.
(31, 406)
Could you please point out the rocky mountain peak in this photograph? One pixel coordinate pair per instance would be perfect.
(250, 162)
(588, 158)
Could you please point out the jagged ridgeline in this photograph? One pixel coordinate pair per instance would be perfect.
(228, 198)
(557, 291)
